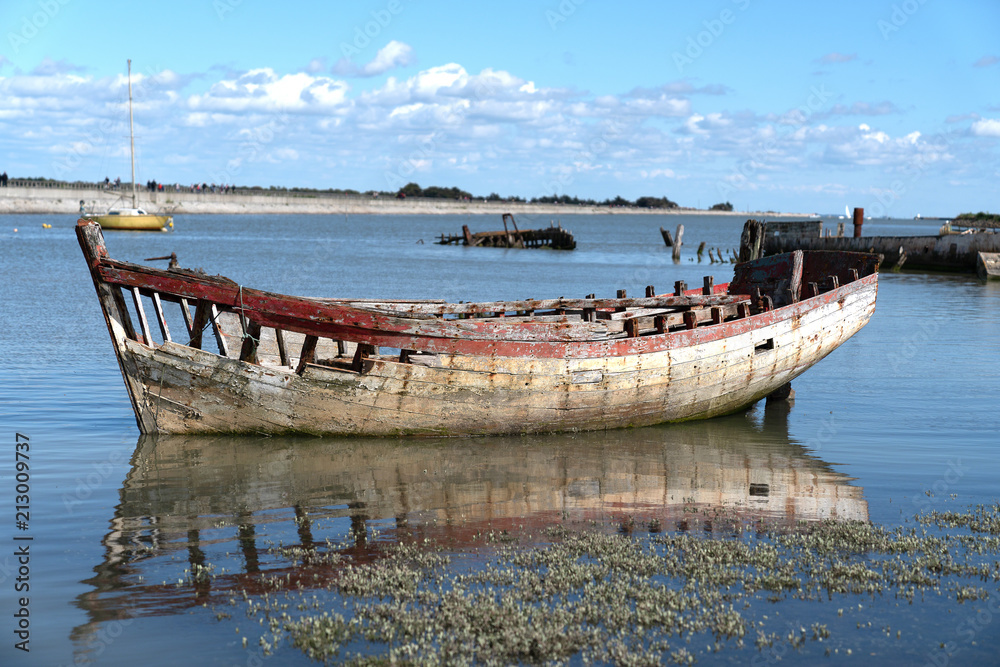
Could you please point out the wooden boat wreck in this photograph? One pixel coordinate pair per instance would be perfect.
(553, 237)
(351, 366)
(956, 246)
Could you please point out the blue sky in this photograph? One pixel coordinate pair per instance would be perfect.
(893, 106)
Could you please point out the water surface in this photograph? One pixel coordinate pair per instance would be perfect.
(902, 418)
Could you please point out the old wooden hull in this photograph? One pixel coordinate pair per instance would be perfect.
(498, 375)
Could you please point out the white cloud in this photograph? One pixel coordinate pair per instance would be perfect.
(392, 55)
(263, 90)
(986, 127)
(450, 125)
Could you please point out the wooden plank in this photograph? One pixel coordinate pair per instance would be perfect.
(219, 339)
(221, 290)
(988, 265)
(201, 315)
(308, 353)
(119, 303)
(279, 336)
(186, 312)
(137, 300)
(160, 319)
(248, 351)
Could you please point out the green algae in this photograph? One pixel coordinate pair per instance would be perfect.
(612, 596)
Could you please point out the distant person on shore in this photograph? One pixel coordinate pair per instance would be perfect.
(3, 179)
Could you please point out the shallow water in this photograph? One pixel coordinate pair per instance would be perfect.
(902, 418)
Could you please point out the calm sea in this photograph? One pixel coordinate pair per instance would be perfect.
(904, 417)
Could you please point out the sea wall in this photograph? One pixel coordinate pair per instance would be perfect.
(35, 199)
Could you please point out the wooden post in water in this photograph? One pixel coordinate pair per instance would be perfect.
(677, 243)
(667, 238)
(859, 219)
(752, 241)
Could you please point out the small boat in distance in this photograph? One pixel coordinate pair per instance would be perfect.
(134, 218)
(336, 366)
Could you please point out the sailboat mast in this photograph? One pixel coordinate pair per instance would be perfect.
(131, 136)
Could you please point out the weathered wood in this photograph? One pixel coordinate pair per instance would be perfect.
(554, 237)
(665, 359)
(279, 336)
(248, 351)
(752, 241)
(988, 265)
(308, 353)
(141, 314)
(217, 330)
(160, 319)
(186, 313)
(202, 312)
(668, 238)
(678, 242)
(922, 252)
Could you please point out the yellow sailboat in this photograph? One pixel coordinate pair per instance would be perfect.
(134, 218)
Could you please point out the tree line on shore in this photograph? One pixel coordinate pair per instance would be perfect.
(432, 192)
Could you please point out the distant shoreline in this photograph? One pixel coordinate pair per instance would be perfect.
(38, 200)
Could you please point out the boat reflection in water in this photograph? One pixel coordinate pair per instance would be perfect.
(230, 502)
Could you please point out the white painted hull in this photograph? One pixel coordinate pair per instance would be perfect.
(180, 389)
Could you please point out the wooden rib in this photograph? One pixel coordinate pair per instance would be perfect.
(279, 336)
(160, 319)
(248, 352)
(137, 300)
(201, 312)
(188, 322)
(308, 353)
(119, 299)
(219, 339)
